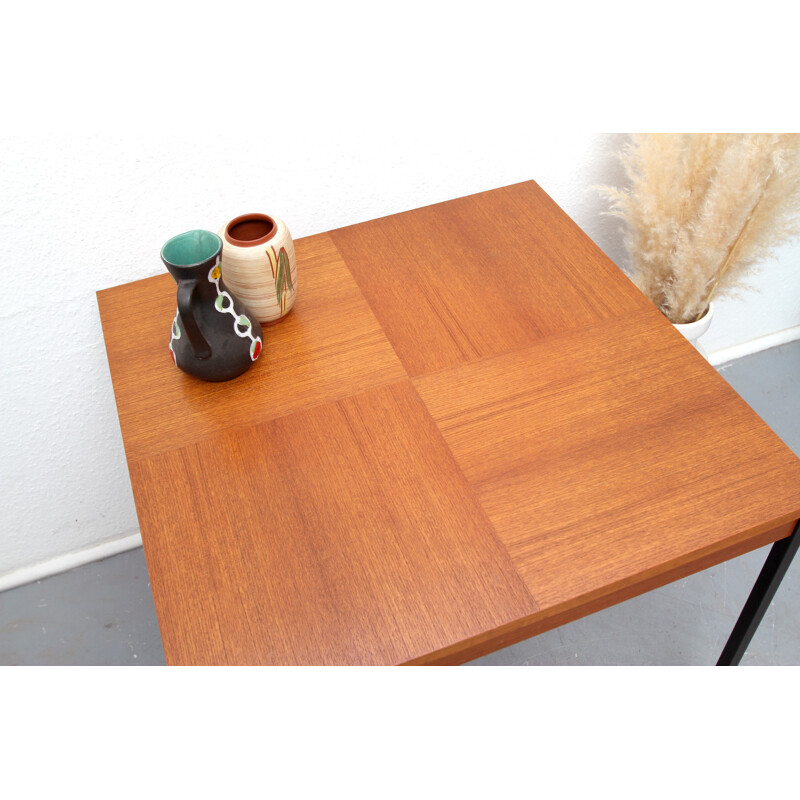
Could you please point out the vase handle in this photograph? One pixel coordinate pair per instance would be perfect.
(200, 347)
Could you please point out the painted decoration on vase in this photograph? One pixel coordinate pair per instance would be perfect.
(224, 304)
(176, 334)
(241, 323)
(281, 274)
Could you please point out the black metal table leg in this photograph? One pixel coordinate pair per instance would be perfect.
(770, 577)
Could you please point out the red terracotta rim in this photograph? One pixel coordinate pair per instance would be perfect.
(249, 230)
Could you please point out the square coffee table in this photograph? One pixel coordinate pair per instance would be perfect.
(471, 428)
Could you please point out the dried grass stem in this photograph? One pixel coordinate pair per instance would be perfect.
(703, 211)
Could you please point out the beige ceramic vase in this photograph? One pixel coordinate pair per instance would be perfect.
(259, 266)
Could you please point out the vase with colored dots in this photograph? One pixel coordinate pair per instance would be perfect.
(214, 335)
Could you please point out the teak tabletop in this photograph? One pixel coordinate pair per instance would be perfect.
(472, 428)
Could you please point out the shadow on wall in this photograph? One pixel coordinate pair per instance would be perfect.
(603, 168)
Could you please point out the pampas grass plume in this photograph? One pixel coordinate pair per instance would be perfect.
(703, 211)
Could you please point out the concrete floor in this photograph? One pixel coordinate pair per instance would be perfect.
(103, 613)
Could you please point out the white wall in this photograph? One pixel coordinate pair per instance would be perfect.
(91, 190)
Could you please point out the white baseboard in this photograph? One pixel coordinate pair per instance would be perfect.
(44, 569)
(753, 346)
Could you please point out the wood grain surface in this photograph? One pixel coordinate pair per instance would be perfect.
(602, 452)
(481, 275)
(471, 428)
(366, 544)
(329, 346)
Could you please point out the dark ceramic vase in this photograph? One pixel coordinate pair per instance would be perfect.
(214, 336)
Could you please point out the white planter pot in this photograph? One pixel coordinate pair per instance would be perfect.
(694, 330)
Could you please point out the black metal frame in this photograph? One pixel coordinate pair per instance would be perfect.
(770, 577)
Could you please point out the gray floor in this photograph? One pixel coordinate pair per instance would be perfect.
(103, 613)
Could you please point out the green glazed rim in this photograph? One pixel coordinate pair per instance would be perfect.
(191, 248)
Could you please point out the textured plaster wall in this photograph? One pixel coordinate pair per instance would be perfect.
(83, 211)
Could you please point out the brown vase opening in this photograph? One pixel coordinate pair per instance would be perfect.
(250, 230)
